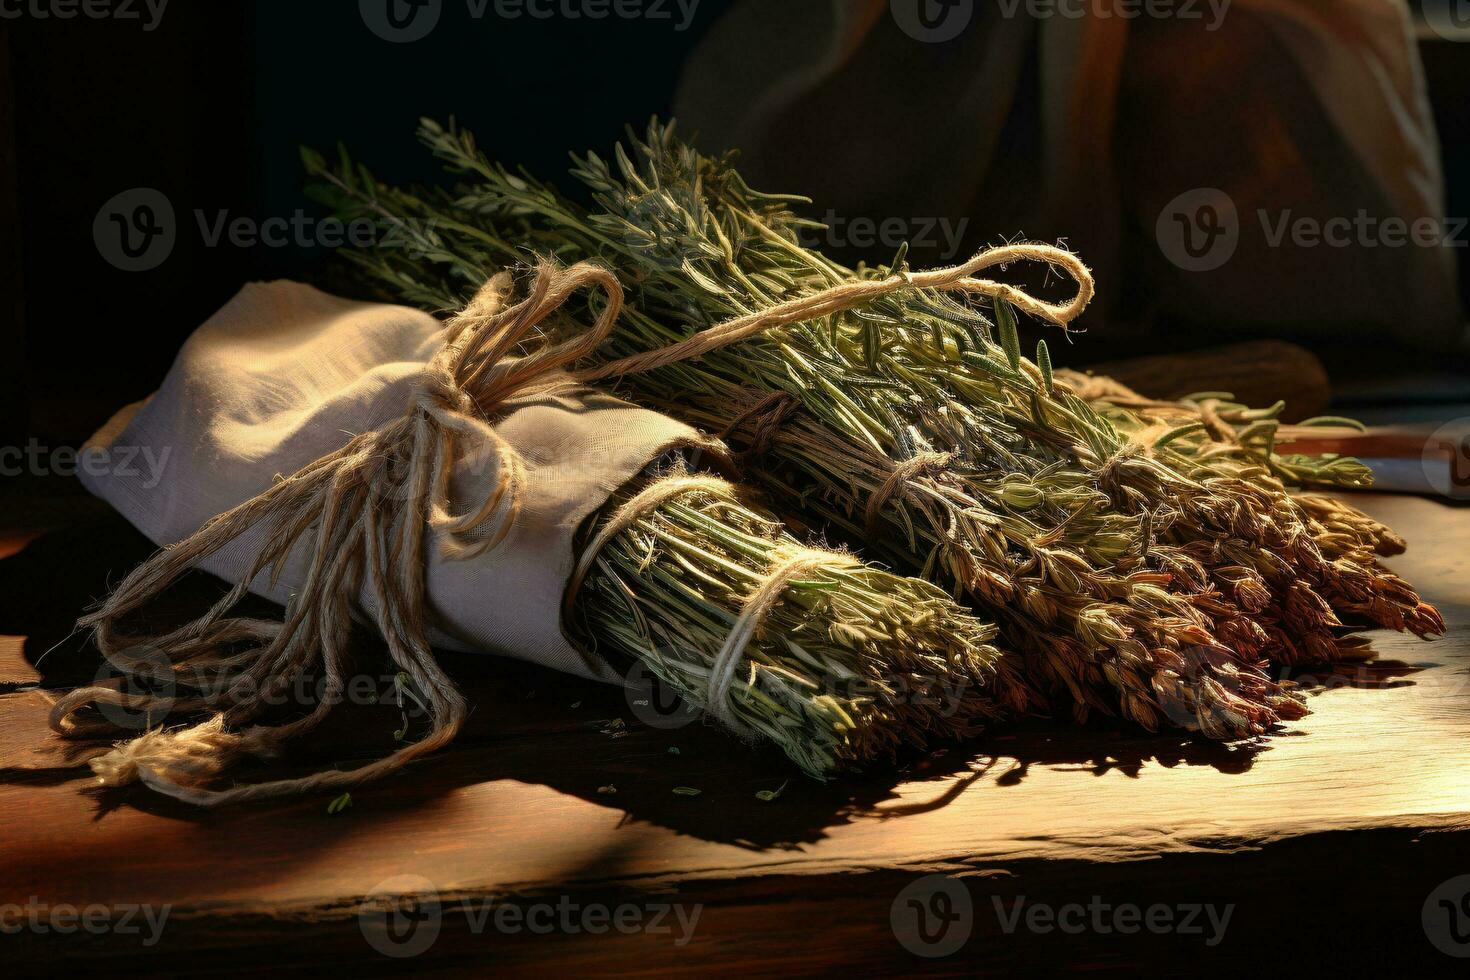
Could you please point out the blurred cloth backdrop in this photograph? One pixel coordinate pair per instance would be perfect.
(991, 116)
(1226, 122)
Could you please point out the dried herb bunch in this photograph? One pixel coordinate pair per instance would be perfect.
(1318, 556)
(836, 662)
(1139, 570)
(850, 662)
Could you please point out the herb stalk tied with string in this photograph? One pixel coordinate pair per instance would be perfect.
(835, 661)
(850, 664)
(906, 423)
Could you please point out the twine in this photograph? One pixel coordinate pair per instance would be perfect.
(836, 299)
(924, 464)
(792, 561)
(368, 509)
(1101, 388)
(796, 562)
(766, 417)
(645, 502)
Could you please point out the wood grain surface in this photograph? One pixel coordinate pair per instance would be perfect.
(1325, 840)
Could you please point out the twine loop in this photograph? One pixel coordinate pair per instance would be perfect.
(844, 296)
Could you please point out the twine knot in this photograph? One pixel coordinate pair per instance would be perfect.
(924, 464)
(765, 418)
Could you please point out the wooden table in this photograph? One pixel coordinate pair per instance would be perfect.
(1325, 842)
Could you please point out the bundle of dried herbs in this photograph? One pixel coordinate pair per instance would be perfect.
(836, 662)
(1139, 570)
(849, 663)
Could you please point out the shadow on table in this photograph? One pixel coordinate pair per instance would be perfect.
(539, 727)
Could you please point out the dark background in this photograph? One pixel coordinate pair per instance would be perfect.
(210, 107)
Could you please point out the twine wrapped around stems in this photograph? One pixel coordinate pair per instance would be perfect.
(368, 508)
(791, 563)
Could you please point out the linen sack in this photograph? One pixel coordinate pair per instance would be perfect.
(285, 373)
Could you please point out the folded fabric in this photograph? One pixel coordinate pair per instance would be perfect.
(285, 374)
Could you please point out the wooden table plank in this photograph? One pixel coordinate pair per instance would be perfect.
(515, 810)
